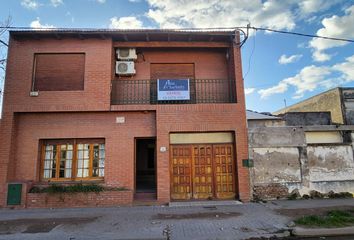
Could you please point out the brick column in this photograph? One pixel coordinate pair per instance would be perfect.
(241, 131)
(7, 138)
(163, 160)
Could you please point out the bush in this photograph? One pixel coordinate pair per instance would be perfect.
(332, 194)
(76, 188)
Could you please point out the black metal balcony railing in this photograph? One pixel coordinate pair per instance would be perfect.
(145, 92)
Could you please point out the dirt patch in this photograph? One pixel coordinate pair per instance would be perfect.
(39, 225)
(199, 215)
(299, 212)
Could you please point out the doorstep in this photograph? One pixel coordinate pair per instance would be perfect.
(203, 203)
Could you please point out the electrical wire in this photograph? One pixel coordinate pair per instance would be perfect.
(251, 55)
(304, 34)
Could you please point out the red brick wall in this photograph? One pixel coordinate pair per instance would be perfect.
(200, 118)
(21, 132)
(98, 69)
(119, 140)
(102, 199)
(208, 63)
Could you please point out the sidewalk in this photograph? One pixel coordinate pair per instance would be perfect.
(155, 222)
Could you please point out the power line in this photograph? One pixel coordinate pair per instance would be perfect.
(303, 34)
(251, 55)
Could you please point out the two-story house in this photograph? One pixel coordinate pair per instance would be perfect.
(159, 112)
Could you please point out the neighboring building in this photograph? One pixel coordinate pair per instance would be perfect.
(68, 117)
(255, 119)
(302, 151)
(338, 101)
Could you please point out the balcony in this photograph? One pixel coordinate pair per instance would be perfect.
(145, 92)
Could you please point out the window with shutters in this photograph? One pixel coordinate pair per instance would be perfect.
(58, 72)
(73, 159)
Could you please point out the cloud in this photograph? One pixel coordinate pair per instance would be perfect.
(228, 13)
(37, 24)
(312, 77)
(249, 90)
(286, 60)
(308, 79)
(101, 1)
(125, 23)
(334, 26)
(280, 88)
(30, 4)
(56, 3)
(313, 6)
(347, 69)
(134, 1)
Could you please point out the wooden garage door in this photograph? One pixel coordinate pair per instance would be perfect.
(224, 171)
(181, 168)
(202, 172)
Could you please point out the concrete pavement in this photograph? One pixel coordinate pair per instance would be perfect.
(155, 222)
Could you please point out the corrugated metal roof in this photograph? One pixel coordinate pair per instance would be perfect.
(227, 31)
(124, 35)
(250, 115)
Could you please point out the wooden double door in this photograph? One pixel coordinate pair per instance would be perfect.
(205, 171)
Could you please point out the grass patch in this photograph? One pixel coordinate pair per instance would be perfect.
(332, 219)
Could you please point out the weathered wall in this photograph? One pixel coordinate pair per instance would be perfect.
(307, 118)
(327, 101)
(323, 137)
(348, 102)
(276, 165)
(265, 123)
(330, 163)
(276, 137)
(284, 161)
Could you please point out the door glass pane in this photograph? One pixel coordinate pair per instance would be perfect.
(83, 160)
(49, 163)
(68, 172)
(101, 163)
(47, 173)
(65, 160)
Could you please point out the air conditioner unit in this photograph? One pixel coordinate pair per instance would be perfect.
(125, 68)
(126, 54)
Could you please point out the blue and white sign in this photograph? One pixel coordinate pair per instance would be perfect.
(173, 89)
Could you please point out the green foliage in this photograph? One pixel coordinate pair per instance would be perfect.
(332, 194)
(35, 190)
(335, 218)
(76, 188)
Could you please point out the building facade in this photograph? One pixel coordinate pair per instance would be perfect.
(158, 113)
(300, 152)
(338, 101)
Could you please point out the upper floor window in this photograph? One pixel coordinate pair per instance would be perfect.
(58, 72)
(73, 159)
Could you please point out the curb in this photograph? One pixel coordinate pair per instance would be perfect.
(311, 232)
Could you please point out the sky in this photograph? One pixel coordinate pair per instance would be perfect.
(278, 69)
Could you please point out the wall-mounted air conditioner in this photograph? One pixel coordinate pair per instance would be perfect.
(126, 54)
(125, 68)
